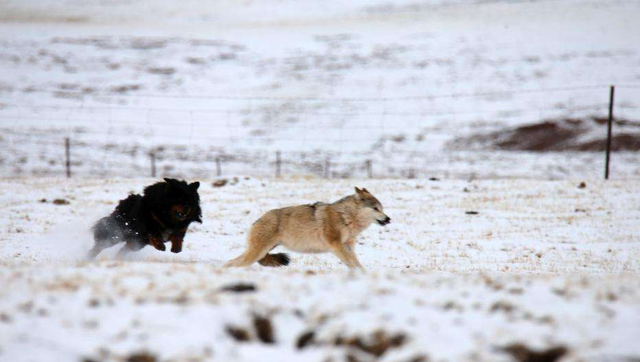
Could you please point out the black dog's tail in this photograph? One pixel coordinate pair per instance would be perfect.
(275, 260)
(103, 229)
(105, 234)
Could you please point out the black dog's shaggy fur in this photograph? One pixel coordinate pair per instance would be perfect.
(162, 213)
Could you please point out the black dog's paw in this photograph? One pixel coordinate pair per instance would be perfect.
(157, 243)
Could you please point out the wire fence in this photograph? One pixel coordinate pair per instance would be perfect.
(333, 99)
(131, 135)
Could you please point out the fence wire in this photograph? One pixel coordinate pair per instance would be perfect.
(332, 143)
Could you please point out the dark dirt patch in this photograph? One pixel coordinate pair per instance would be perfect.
(264, 329)
(502, 306)
(619, 142)
(522, 353)
(162, 70)
(239, 288)
(238, 334)
(125, 88)
(5, 318)
(539, 137)
(141, 357)
(60, 202)
(306, 339)
(223, 181)
(569, 134)
(219, 183)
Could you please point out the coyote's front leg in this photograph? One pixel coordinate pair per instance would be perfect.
(350, 247)
(334, 237)
(346, 256)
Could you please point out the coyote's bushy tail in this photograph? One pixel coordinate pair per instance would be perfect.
(275, 260)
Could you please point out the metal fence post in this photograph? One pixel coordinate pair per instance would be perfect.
(609, 127)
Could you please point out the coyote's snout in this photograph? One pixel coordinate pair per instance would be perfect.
(313, 228)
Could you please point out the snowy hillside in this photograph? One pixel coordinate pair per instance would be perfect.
(394, 83)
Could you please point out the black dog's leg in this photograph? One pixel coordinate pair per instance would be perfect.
(129, 247)
(96, 250)
(105, 234)
(156, 241)
(176, 240)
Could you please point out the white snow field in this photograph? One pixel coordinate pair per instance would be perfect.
(545, 264)
(393, 82)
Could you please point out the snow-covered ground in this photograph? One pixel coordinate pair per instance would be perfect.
(391, 82)
(541, 263)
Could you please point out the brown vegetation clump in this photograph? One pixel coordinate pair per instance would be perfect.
(377, 344)
(264, 331)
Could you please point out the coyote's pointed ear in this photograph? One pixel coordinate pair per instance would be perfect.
(358, 191)
(194, 185)
(365, 191)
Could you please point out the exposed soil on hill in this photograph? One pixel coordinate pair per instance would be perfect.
(570, 134)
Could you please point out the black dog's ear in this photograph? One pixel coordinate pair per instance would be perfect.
(168, 180)
(194, 185)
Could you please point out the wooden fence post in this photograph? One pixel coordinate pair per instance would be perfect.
(327, 168)
(152, 156)
(67, 153)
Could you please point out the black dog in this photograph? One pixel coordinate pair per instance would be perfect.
(163, 213)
